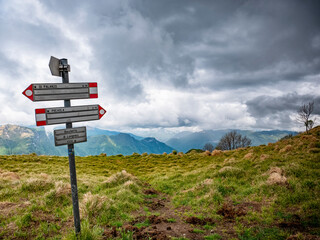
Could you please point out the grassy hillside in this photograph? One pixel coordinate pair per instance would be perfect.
(264, 192)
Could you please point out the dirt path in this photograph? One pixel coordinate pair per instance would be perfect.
(162, 221)
(159, 220)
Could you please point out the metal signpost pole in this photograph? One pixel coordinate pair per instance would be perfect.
(72, 164)
(47, 116)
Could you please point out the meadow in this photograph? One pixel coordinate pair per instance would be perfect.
(265, 192)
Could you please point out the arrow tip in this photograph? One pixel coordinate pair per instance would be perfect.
(28, 92)
(102, 112)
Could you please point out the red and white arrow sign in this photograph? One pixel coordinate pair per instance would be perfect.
(50, 116)
(28, 92)
(61, 91)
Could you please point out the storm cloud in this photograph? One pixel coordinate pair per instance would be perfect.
(180, 65)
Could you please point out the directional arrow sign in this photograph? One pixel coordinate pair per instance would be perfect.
(49, 116)
(54, 66)
(70, 136)
(61, 91)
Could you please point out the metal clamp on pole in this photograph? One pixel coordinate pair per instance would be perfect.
(64, 68)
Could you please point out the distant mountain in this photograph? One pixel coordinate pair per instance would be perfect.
(91, 131)
(122, 143)
(23, 140)
(97, 131)
(189, 140)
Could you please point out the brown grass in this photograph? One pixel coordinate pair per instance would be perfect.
(248, 156)
(62, 188)
(91, 204)
(276, 176)
(207, 153)
(229, 160)
(216, 152)
(180, 154)
(228, 168)
(264, 157)
(6, 175)
(121, 176)
(286, 148)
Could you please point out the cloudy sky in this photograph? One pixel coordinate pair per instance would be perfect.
(167, 66)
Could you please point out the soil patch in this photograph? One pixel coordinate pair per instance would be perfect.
(168, 222)
(230, 212)
(150, 191)
(198, 221)
(293, 223)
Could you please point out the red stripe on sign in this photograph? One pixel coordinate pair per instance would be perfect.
(93, 95)
(40, 110)
(102, 112)
(28, 92)
(93, 84)
(41, 123)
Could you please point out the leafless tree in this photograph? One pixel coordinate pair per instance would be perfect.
(208, 146)
(233, 140)
(304, 115)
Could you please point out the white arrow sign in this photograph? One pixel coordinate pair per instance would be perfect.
(61, 91)
(50, 116)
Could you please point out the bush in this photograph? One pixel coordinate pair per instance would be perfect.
(193, 150)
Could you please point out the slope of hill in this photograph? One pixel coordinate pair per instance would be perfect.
(262, 192)
(120, 144)
(189, 140)
(22, 140)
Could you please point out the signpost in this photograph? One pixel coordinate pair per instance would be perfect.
(67, 114)
(70, 136)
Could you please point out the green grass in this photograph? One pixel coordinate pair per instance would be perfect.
(35, 190)
(214, 236)
(171, 220)
(196, 230)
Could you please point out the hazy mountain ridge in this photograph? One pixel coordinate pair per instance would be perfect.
(186, 141)
(23, 140)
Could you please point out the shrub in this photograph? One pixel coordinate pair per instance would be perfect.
(193, 150)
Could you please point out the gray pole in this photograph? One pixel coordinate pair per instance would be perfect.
(72, 164)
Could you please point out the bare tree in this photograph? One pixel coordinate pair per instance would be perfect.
(304, 114)
(208, 146)
(233, 140)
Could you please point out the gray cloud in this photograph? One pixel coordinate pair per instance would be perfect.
(280, 112)
(180, 63)
(265, 105)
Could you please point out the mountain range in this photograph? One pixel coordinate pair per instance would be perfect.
(185, 141)
(16, 139)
